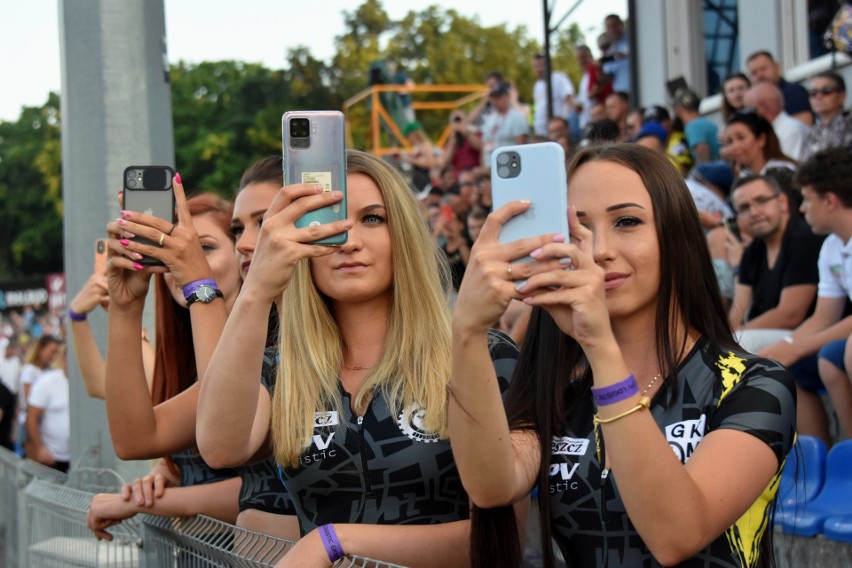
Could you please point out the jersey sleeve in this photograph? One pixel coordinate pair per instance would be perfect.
(504, 356)
(758, 397)
(829, 261)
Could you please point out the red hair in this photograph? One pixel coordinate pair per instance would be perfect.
(174, 366)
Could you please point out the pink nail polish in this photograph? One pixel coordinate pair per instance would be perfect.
(121, 221)
(126, 214)
(535, 253)
(177, 178)
(124, 242)
(127, 234)
(558, 238)
(137, 266)
(136, 256)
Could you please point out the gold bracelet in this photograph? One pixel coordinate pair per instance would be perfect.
(644, 402)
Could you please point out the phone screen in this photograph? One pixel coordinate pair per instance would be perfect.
(733, 228)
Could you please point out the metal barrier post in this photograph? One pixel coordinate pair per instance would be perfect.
(9, 507)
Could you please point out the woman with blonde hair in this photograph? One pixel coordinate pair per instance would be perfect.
(358, 414)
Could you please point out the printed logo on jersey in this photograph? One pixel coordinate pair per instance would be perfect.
(836, 270)
(684, 436)
(732, 368)
(411, 424)
(568, 446)
(562, 477)
(328, 418)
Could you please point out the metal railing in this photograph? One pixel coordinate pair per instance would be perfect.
(380, 115)
(43, 525)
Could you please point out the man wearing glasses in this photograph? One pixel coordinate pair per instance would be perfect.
(777, 282)
(827, 92)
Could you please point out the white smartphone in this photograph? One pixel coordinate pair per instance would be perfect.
(535, 172)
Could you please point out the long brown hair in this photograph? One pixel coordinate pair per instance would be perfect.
(174, 366)
(759, 126)
(546, 386)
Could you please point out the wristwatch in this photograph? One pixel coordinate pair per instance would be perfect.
(201, 291)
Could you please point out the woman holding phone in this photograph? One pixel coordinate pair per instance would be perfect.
(753, 146)
(357, 419)
(260, 496)
(652, 437)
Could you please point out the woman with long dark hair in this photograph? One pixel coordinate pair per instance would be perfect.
(753, 146)
(652, 437)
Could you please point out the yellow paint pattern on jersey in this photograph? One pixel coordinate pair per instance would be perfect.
(745, 535)
(732, 368)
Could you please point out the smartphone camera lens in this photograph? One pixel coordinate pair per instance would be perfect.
(299, 127)
(508, 165)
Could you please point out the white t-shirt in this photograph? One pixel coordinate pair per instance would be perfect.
(50, 393)
(501, 130)
(835, 268)
(562, 88)
(706, 200)
(792, 134)
(10, 370)
(28, 376)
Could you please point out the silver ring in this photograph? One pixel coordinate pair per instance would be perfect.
(162, 238)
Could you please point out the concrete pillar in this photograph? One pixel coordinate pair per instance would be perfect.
(116, 112)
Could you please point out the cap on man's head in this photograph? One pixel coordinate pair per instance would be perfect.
(687, 99)
(500, 90)
(653, 128)
(718, 173)
(656, 113)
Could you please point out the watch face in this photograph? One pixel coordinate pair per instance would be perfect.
(205, 293)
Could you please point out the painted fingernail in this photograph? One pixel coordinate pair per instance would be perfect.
(177, 178)
(136, 256)
(521, 286)
(535, 253)
(566, 260)
(137, 266)
(558, 238)
(121, 221)
(124, 242)
(524, 201)
(337, 194)
(127, 234)
(347, 223)
(126, 214)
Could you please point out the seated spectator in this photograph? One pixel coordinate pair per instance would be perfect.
(835, 372)
(652, 135)
(600, 132)
(503, 127)
(594, 87)
(617, 109)
(768, 102)
(596, 113)
(483, 193)
(726, 244)
(615, 62)
(827, 91)
(463, 147)
(676, 147)
(48, 419)
(733, 90)
(702, 135)
(709, 185)
(827, 206)
(558, 131)
(475, 220)
(778, 275)
(762, 67)
(635, 118)
(753, 145)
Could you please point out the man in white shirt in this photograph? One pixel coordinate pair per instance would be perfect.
(827, 206)
(504, 126)
(563, 96)
(768, 102)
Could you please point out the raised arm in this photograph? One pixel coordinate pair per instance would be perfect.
(233, 407)
(479, 429)
(89, 359)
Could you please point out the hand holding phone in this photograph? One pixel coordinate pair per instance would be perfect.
(536, 173)
(733, 228)
(315, 153)
(149, 190)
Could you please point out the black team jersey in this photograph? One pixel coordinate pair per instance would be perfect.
(715, 390)
(382, 467)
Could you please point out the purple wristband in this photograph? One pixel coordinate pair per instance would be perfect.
(331, 542)
(621, 390)
(75, 316)
(190, 288)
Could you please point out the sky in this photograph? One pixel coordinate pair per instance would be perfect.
(258, 31)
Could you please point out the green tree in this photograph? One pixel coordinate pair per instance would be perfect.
(30, 190)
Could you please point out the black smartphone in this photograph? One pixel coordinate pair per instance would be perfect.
(149, 190)
(733, 228)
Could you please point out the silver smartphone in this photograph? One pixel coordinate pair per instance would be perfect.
(315, 152)
(535, 172)
(148, 189)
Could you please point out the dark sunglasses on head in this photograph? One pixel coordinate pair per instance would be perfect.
(822, 91)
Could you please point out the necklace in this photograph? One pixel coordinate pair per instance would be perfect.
(357, 368)
(654, 380)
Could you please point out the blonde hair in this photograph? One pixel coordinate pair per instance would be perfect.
(415, 366)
